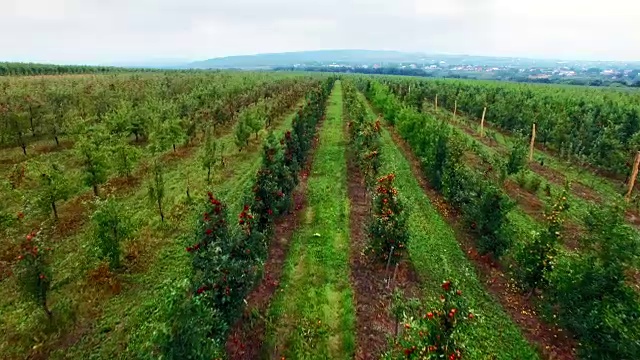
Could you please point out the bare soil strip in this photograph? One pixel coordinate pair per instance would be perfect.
(374, 321)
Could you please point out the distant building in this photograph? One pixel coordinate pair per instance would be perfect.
(567, 73)
(540, 76)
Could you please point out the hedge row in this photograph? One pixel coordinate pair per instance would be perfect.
(599, 127)
(227, 258)
(589, 292)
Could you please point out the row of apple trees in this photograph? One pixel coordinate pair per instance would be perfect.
(588, 291)
(228, 253)
(593, 126)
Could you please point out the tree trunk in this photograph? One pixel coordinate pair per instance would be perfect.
(209, 173)
(55, 211)
(46, 309)
(160, 208)
(57, 141)
(127, 172)
(33, 129)
(174, 147)
(137, 138)
(23, 144)
(95, 189)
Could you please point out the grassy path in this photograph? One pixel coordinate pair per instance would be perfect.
(313, 315)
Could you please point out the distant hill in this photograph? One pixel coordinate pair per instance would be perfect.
(321, 57)
(370, 57)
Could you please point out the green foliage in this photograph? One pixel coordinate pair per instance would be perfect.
(242, 134)
(91, 148)
(255, 118)
(594, 301)
(60, 118)
(166, 127)
(33, 271)
(484, 206)
(227, 260)
(6, 219)
(589, 291)
(193, 323)
(18, 125)
(274, 185)
(537, 257)
(529, 181)
(208, 155)
(155, 189)
(593, 126)
(140, 121)
(388, 227)
(112, 225)
(364, 135)
(54, 186)
(221, 260)
(118, 121)
(433, 334)
(487, 215)
(517, 159)
(124, 157)
(17, 176)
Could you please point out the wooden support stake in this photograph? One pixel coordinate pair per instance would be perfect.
(389, 261)
(393, 278)
(436, 102)
(634, 175)
(455, 109)
(484, 112)
(533, 140)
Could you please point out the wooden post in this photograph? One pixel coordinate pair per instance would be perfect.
(484, 112)
(533, 140)
(393, 278)
(436, 102)
(634, 175)
(455, 109)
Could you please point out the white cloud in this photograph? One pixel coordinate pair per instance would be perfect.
(100, 31)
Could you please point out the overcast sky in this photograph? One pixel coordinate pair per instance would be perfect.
(107, 31)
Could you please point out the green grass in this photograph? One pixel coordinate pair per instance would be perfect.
(313, 315)
(436, 256)
(129, 324)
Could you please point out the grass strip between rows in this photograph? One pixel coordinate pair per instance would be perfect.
(313, 315)
(436, 255)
